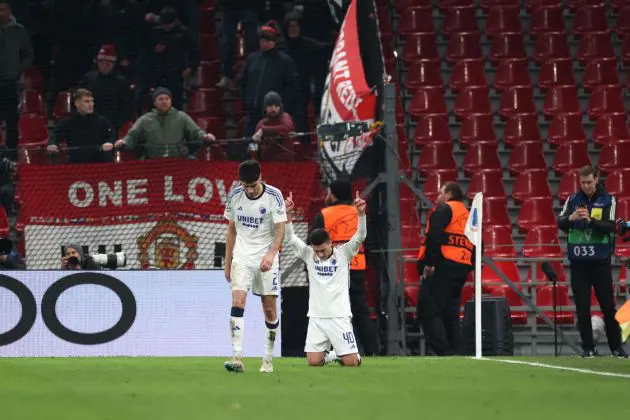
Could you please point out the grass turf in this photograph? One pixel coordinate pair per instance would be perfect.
(383, 388)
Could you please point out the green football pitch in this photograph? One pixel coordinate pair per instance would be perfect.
(383, 388)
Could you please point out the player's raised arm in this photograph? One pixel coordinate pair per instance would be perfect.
(351, 248)
(301, 249)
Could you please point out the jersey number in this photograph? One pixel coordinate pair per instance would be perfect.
(349, 337)
(275, 279)
(584, 251)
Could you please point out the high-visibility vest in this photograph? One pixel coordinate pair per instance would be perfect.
(458, 247)
(341, 221)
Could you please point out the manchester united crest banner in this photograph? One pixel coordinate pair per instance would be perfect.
(164, 214)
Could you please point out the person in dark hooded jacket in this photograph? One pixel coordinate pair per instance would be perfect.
(267, 70)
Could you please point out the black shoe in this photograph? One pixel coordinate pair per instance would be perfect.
(620, 352)
(589, 354)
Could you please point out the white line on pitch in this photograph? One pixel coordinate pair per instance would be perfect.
(571, 369)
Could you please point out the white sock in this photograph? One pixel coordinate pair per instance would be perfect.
(270, 337)
(330, 357)
(237, 325)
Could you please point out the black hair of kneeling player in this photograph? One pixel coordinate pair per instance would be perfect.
(319, 237)
(249, 171)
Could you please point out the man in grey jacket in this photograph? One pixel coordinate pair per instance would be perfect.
(164, 131)
(16, 55)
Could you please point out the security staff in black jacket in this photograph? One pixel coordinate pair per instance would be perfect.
(588, 217)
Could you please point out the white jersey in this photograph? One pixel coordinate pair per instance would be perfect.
(329, 280)
(255, 221)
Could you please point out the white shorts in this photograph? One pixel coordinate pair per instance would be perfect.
(262, 283)
(324, 332)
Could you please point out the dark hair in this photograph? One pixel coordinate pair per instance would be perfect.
(341, 189)
(454, 190)
(319, 237)
(249, 171)
(589, 170)
(168, 16)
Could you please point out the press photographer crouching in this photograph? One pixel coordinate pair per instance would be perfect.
(74, 258)
(9, 258)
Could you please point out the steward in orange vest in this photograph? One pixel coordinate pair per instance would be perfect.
(444, 262)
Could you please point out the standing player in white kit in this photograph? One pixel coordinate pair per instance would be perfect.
(257, 217)
(329, 288)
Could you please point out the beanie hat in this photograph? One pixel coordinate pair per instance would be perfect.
(269, 31)
(272, 98)
(79, 249)
(161, 91)
(292, 17)
(107, 53)
(341, 189)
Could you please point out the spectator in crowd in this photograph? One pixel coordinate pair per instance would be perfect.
(233, 12)
(267, 70)
(171, 58)
(16, 55)
(89, 136)
(74, 258)
(276, 124)
(165, 131)
(112, 95)
(302, 49)
(9, 258)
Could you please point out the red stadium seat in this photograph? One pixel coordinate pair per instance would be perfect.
(459, 19)
(435, 180)
(507, 46)
(482, 157)
(618, 183)
(512, 73)
(432, 129)
(416, 20)
(488, 182)
(535, 4)
(556, 72)
(606, 100)
(409, 212)
(122, 131)
(428, 101)
(595, 45)
(420, 47)
(212, 152)
(625, 51)
(536, 212)
(410, 240)
(410, 271)
(476, 128)
(526, 155)
(531, 184)
(5, 229)
(611, 128)
(436, 156)
(425, 73)
(545, 20)
(33, 130)
(600, 72)
(623, 22)
(561, 100)
(31, 102)
(566, 128)
(214, 125)
(495, 212)
(544, 298)
(209, 47)
(569, 184)
(33, 80)
(570, 156)
(463, 46)
(590, 19)
(623, 280)
(541, 278)
(503, 20)
(517, 101)
(208, 74)
(521, 128)
(446, 5)
(489, 4)
(498, 242)
(468, 73)
(204, 102)
(542, 242)
(551, 46)
(472, 100)
(491, 279)
(513, 299)
(614, 156)
(63, 105)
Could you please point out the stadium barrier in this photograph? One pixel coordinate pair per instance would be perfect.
(126, 313)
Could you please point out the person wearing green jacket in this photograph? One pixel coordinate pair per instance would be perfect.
(164, 131)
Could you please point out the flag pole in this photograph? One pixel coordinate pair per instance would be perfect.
(479, 236)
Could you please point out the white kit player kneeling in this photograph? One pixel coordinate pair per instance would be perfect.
(330, 317)
(257, 217)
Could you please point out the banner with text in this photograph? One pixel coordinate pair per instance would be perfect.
(130, 313)
(164, 214)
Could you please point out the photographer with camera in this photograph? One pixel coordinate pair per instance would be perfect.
(9, 258)
(588, 217)
(74, 258)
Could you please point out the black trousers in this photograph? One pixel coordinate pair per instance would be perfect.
(584, 276)
(9, 113)
(438, 310)
(364, 327)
